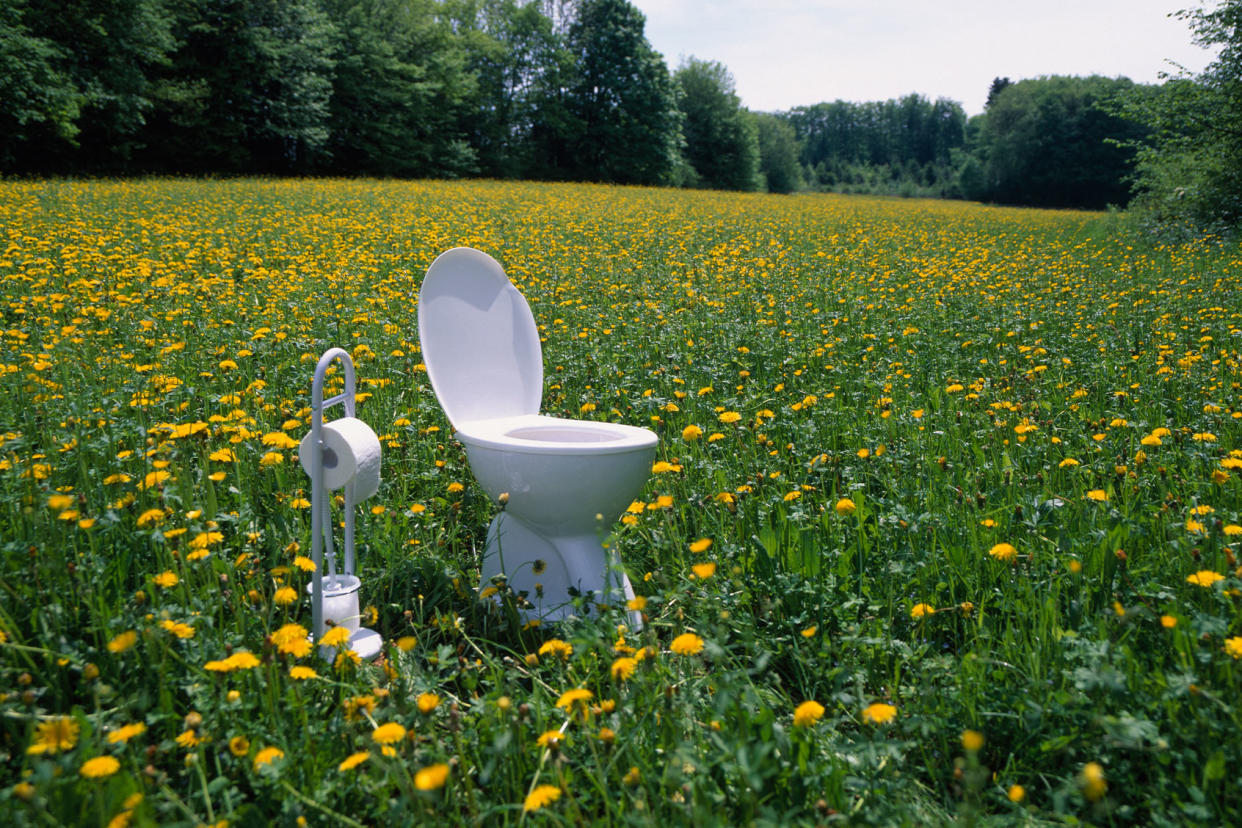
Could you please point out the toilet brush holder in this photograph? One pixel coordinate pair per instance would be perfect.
(340, 602)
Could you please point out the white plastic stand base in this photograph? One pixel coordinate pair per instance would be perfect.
(366, 643)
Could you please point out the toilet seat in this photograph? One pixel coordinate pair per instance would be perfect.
(479, 339)
(540, 434)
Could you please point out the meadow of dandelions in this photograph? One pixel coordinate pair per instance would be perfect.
(944, 523)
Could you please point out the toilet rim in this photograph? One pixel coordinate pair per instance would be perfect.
(541, 434)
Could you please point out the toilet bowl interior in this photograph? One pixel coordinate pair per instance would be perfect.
(562, 434)
(540, 434)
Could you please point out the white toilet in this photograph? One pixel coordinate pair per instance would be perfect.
(567, 481)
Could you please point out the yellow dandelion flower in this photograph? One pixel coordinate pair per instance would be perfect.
(428, 702)
(177, 629)
(1016, 793)
(278, 439)
(550, 739)
(571, 698)
(59, 502)
(299, 672)
(205, 539)
(1003, 552)
(54, 735)
(541, 797)
(267, 756)
(808, 713)
(1233, 646)
(623, 668)
(1204, 578)
(122, 641)
(920, 610)
(1168, 622)
(701, 545)
(432, 777)
(704, 570)
(284, 596)
(166, 579)
(238, 661)
(729, 417)
(879, 713)
(687, 644)
(239, 746)
(691, 433)
(972, 740)
(155, 478)
(356, 706)
(100, 767)
(844, 507)
(292, 639)
(353, 760)
(1092, 781)
(554, 646)
(336, 637)
(388, 734)
(1098, 495)
(151, 517)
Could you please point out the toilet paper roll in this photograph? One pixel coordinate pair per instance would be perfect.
(351, 456)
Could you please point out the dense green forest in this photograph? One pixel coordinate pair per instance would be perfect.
(572, 89)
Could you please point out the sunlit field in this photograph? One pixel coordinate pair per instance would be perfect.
(944, 524)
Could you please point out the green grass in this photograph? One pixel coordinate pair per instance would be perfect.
(966, 377)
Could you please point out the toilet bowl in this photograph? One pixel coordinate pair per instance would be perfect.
(562, 483)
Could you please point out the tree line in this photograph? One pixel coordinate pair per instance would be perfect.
(571, 89)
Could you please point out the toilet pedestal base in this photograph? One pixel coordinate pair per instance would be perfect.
(551, 572)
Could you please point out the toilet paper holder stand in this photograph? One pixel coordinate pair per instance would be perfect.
(337, 601)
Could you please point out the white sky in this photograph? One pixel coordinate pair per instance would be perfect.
(786, 53)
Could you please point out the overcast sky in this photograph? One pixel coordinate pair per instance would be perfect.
(786, 53)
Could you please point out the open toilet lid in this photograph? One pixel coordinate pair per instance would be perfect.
(479, 339)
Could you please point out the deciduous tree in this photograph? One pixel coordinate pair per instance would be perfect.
(621, 98)
(721, 138)
(1189, 174)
